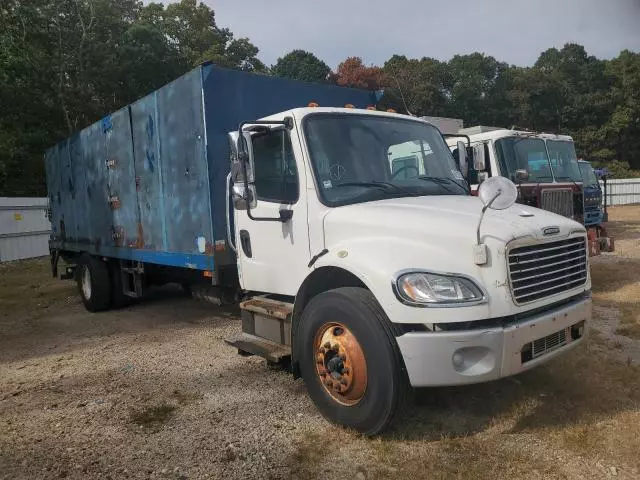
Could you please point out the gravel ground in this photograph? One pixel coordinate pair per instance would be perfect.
(153, 391)
(148, 392)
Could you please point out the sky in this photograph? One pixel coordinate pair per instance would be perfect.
(514, 31)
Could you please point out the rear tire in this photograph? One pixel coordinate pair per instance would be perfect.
(94, 283)
(373, 383)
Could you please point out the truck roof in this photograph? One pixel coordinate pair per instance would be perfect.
(304, 111)
(497, 133)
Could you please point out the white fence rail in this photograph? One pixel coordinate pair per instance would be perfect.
(24, 228)
(622, 191)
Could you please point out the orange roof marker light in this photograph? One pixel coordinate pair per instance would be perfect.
(349, 105)
(391, 110)
(371, 107)
(313, 105)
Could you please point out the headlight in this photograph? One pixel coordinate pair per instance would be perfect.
(436, 290)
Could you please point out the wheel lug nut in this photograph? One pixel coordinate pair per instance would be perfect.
(343, 381)
(328, 383)
(327, 345)
(346, 371)
(336, 347)
(343, 357)
(337, 387)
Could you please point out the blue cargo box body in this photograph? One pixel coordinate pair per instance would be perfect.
(147, 182)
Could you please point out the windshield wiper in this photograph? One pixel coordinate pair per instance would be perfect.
(442, 182)
(385, 186)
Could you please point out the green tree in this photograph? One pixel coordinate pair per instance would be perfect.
(623, 127)
(421, 84)
(301, 65)
(66, 63)
(192, 28)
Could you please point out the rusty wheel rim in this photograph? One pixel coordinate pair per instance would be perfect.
(340, 363)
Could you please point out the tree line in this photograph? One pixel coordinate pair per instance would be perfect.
(66, 63)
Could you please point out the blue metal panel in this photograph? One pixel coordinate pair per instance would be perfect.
(95, 170)
(123, 198)
(68, 191)
(144, 120)
(81, 228)
(183, 165)
(52, 166)
(191, 261)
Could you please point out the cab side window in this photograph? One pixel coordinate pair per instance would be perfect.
(276, 176)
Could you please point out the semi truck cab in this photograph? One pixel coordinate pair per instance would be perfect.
(453, 292)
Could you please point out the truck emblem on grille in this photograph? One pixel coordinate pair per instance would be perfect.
(550, 231)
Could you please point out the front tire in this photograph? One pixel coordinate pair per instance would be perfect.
(94, 283)
(350, 361)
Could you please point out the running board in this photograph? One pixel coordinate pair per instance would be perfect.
(253, 345)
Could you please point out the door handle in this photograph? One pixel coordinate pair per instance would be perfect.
(227, 204)
(245, 241)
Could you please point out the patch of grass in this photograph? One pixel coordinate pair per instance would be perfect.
(153, 417)
(618, 284)
(630, 321)
(28, 289)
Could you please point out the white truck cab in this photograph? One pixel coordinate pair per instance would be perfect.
(363, 256)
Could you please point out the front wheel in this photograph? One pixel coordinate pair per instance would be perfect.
(350, 361)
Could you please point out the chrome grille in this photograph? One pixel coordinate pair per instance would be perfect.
(557, 200)
(550, 342)
(545, 269)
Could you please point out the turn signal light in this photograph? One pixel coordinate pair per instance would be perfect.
(313, 105)
(391, 110)
(348, 105)
(371, 107)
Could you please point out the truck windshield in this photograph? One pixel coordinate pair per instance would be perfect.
(545, 161)
(524, 153)
(588, 176)
(564, 161)
(361, 158)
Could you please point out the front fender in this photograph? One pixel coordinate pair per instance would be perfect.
(375, 261)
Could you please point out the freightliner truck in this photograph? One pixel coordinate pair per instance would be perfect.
(543, 165)
(364, 275)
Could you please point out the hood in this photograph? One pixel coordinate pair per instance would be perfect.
(452, 218)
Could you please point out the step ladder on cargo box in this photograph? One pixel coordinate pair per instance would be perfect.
(266, 329)
(131, 278)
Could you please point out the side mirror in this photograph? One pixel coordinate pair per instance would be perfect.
(498, 193)
(241, 157)
(522, 175)
(462, 159)
(478, 158)
(243, 199)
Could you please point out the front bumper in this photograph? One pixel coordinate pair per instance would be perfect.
(473, 356)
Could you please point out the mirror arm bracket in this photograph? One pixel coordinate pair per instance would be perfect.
(484, 209)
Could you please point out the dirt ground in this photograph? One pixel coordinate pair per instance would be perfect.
(152, 391)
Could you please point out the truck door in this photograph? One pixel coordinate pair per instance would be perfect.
(271, 237)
